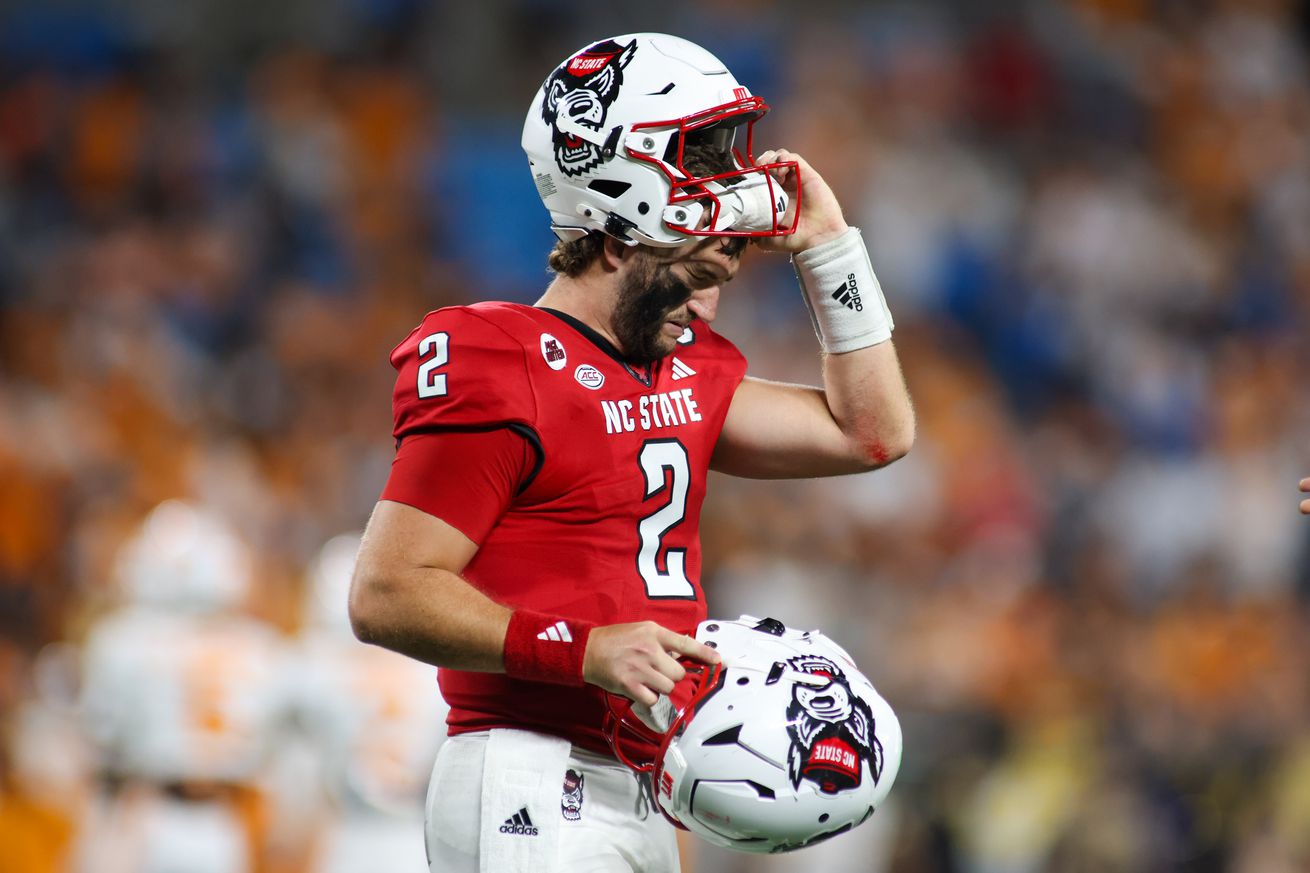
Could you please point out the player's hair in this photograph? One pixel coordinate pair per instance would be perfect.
(574, 257)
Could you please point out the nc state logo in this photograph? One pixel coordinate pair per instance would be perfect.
(580, 92)
(831, 730)
(570, 803)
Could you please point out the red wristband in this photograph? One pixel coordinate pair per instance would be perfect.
(545, 648)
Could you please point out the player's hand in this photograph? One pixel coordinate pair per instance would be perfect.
(1305, 489)
(821, 215)
(639, 660)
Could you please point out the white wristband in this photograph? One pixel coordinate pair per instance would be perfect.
(843, 295)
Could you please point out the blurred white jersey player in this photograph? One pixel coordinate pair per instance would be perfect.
(184, 696)
(377, 719)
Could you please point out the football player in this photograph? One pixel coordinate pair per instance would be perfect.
(376, 721)
(183, 695)
(538, 536)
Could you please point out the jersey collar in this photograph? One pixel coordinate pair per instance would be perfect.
(646, 375)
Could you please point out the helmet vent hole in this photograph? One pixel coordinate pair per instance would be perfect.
(744, 680)
(823, 818)
(611, 188)
(726, 737)
(767, 793)
(643, 207)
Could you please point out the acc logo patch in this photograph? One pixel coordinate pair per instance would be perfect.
(832, 730)
(588, 376)
(553, 352)
(570, 802)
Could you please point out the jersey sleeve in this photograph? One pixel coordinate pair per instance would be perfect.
(465, 479)
(460, 371)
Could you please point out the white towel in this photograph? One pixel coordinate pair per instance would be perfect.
(521, 782)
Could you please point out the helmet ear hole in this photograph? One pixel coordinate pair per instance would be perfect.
(611, 188)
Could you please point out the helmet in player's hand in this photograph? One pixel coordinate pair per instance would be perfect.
(784, 744)
(648, 137)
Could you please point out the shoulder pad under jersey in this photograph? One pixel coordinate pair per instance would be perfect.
(459, 370)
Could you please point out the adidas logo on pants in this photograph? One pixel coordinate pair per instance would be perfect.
(519, 823)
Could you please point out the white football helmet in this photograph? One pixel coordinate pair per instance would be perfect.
(608, 131)
(187, 558)
(784, 744)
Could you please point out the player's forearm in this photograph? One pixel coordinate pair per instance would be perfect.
(866, 395)
(431, 615)
(863, 386)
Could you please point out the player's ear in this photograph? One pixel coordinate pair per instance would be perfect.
(613, 253)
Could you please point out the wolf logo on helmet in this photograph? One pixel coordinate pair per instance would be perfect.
(578, 95)
(831, 729)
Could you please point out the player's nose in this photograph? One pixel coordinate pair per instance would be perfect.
(704, 303)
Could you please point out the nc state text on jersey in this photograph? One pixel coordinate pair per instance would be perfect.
(665, 409)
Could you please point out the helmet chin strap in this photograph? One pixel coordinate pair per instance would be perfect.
(658, 717)
(758, 203)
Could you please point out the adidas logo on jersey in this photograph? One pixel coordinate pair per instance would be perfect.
(559, 632)
(848, 294)
(681, 370)
(519, 824)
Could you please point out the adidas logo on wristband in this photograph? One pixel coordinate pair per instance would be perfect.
(559, 632)
(848, 295)
(519, 824)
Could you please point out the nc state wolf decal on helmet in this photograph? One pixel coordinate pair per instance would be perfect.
(831, 730)
(579, 94)
(765, 751)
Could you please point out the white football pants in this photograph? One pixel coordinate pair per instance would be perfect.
(503, 801)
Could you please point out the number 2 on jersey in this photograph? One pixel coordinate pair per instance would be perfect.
(655, 458)
(433, 384)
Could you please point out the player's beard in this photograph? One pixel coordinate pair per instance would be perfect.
(648, 295)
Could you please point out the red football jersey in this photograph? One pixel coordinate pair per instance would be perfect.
(606, 529)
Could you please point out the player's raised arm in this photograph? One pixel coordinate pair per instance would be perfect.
(862, 418)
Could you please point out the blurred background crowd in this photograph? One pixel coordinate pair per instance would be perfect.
(1085, 590)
